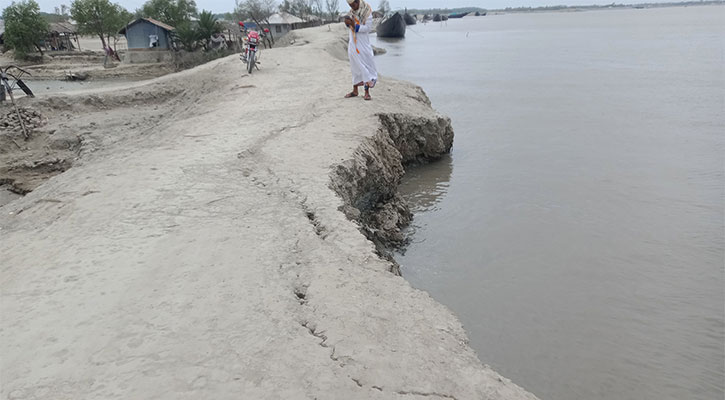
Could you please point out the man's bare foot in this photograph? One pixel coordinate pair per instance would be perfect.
(351, 94)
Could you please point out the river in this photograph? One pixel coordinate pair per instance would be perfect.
(577, 227)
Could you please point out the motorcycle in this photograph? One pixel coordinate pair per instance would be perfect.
(250, 53)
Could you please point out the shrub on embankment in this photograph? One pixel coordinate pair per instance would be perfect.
(25, 27)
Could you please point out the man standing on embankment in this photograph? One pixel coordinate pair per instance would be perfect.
(360, 22)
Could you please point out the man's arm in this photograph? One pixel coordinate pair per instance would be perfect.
(367, 27)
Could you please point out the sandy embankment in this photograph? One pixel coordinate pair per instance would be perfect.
(196, 248)
(89, 62)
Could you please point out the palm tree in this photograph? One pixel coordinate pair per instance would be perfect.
(208, 25)
(187, 36)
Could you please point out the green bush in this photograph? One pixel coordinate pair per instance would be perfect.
(25, 28)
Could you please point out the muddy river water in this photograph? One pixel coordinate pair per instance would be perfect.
(577, 227)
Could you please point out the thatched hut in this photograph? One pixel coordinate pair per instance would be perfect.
(61, 36)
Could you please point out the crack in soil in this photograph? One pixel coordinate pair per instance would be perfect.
(426, 394)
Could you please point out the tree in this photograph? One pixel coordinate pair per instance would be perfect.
(258, 11)
(302, 8)
(124, 17)
(187, 36)
(316, 6)
(333, 9)
(172, 12)
(207, 26)
(100, 18)
(24, 27)
(289, 7)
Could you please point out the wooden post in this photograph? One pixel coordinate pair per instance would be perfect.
(20, 117)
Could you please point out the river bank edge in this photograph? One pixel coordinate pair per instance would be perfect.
(366, 182)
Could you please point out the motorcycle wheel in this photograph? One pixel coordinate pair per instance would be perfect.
(250, 62)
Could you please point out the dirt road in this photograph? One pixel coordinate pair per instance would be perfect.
(197, 250)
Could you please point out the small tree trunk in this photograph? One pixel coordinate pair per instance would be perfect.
(115, 52)
(260, 26)
(269, 26)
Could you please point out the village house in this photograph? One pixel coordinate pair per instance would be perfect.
(61, 36)
(148, 41)
(281, 23)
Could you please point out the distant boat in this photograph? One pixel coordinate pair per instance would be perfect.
(480, 14)
(459, 15)
(437, 18)
(409, 19)
(392, 27)
(444, 17)
(426, 17)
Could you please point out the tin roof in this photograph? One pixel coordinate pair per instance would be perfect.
(149, 20)
(282, 18)
(159, 23)
(62, 27)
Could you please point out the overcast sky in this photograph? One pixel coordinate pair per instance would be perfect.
(220, 6)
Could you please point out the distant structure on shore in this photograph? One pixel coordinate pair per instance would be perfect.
(612, 5)
(61, 36)
(281, 23)
(148, 40)
(392, 27)
(477, 11)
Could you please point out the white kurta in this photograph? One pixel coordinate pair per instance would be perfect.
(362, 65)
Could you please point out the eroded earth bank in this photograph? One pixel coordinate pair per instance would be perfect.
(208, 238)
